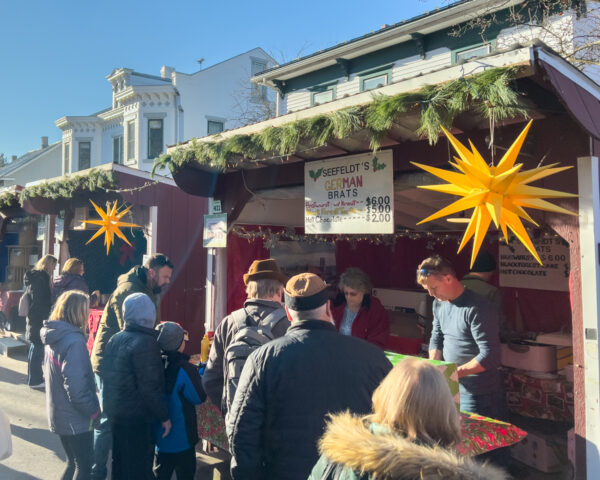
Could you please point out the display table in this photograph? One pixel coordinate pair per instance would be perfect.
(479, 434)
(540, 395)
(93, 322)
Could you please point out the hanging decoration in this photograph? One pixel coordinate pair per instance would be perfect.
(110, 224)
(495, 193)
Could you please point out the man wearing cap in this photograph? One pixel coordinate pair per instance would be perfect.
(134, 390)
(264, 288)
(290, 384)
(465, 332)
(478, 281)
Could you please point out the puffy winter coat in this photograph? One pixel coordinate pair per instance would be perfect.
(184, 390)
(135, 280)
(38, 282)
(69, 281)
(71, 398)
(287, 388)
(372, 323)
(367, 452)
(133, 376)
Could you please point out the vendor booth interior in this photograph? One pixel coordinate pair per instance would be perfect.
(270, 201)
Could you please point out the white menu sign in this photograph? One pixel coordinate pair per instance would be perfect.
(353, 194)
(519, 269)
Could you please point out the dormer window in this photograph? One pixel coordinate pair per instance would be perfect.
(376, 78)
(465, 54)
(322, 94)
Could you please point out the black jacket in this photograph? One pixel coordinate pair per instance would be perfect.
(133, 375)
(38, 282)
(287, 388)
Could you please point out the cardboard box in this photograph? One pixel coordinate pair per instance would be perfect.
(448, 369)
(540, 451)
(529, 356)
(564, 357)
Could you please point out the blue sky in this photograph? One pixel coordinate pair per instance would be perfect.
(55, 54)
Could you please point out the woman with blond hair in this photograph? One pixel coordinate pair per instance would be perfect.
(411, 434)
(71, 278)
(38, 283)
(71, 398)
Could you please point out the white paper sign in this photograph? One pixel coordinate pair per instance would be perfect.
(353, 194)
(519, 269)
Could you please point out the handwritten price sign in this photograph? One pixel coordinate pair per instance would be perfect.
(353, 194)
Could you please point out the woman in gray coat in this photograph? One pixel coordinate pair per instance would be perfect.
(70, 389)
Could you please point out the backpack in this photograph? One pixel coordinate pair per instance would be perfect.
(248, 337)
(25, 303)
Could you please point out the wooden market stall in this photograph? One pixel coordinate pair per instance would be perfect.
(263, 195)
(169, 221)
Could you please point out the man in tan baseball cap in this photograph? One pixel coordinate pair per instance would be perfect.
(290, 384)
(264, 289)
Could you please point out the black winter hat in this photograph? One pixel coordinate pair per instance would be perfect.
(484, 262)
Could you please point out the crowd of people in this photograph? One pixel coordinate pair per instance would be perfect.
(303, 384)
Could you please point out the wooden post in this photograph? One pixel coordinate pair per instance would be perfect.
(589, 234)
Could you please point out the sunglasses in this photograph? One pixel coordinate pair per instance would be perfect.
(425, 272)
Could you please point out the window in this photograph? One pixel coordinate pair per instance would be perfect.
(131, 140)
(471, 52)
(372, 81)
(155, 138)
(258, 91)
(118, 149)
(322, 94)
(66, 158)
(85, 155)
(214, 127)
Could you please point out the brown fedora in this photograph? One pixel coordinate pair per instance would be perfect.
(261, 269)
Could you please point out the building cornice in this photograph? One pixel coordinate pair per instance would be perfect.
(386, 37)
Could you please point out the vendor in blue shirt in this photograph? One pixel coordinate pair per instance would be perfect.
(465, 332)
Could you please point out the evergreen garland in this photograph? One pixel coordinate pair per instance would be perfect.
(67, 187)
(9, 199)
(488, 93)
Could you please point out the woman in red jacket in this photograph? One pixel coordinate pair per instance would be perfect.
(360, 314)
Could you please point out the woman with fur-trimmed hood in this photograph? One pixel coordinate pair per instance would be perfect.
(410, 435)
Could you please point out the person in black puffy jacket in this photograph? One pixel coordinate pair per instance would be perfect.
(134, 390)
(38, 286)
(71, 392)
(290, 384)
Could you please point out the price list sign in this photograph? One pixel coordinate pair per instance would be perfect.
(353, 194)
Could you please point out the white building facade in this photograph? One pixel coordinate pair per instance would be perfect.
(149, 112)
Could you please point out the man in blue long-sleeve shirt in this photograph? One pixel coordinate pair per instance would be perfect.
(465, 332)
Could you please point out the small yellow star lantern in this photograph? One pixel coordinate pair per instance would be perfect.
(495, 193)
(110, 224)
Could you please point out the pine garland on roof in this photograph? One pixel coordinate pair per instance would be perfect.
(70, 185)
(488, 93)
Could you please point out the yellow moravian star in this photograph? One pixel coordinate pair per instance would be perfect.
(110, 225)
(495, 194)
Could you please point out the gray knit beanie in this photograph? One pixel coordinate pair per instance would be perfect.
(170, 336)
(138, 309)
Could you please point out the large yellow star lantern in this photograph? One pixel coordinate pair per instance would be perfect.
(110, 225)
(495, 193)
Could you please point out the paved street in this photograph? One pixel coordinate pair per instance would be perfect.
(37, 453)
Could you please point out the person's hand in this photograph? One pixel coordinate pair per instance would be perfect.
(167, 427)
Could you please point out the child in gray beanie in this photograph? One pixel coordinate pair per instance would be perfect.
(138, 309)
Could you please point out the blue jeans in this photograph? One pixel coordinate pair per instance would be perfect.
(102, 440)
(491, 405)
(35, 359)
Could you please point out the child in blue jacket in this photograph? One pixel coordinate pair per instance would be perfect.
(176, 452)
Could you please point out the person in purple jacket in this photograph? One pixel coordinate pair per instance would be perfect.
(71, 399)
(71, 278)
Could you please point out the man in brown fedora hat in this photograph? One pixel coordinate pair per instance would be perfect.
(290, 384)
(264, 288)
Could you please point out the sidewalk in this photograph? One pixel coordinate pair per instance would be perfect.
(37, 452)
